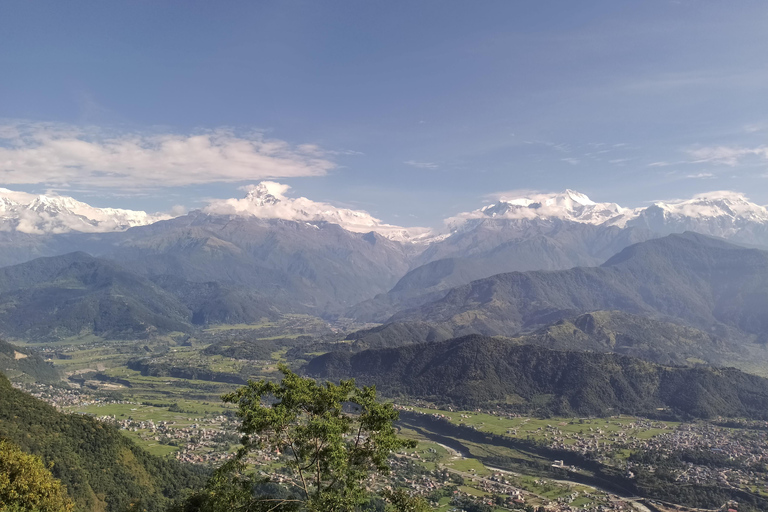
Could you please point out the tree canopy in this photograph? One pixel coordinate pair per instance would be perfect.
(331, 438)
(26, 484)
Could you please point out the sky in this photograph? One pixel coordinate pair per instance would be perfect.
(411, 110)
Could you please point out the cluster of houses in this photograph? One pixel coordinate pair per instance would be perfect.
(745, 448)
(63, 398)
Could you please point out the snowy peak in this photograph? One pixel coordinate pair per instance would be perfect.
(268, 200)
(723, 213)
(266, 193)
(568, 205)
(715, 205)
(47, 214)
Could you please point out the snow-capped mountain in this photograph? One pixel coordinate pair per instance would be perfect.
(49, 214)
(723, 214)
(568, 206)
(267, 200)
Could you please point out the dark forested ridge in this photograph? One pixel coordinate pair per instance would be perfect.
(700, 280)
(102, 469)
(597, 331)
(475, 370)
(398, 334)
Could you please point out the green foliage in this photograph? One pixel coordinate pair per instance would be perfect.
(333, 436)
(26, 484)
(401, 501)
(101, 468)
(476, 370)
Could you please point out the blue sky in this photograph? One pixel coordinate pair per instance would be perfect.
(412, 110)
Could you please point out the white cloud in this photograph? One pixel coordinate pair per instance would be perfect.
(572, 161)
(726, 155)
(58, 154)
(421, 165)
(507, 195)
(701, 175)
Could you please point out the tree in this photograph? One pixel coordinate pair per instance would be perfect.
(332, 437)
(26, 484)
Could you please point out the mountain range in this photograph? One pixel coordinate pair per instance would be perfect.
(268, 253)
(703, 281)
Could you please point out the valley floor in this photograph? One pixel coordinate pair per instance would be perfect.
(476, 460)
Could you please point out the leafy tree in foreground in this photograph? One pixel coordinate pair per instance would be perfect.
(331, 436)
(26, 484)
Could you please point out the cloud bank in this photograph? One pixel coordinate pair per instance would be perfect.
(57, 154)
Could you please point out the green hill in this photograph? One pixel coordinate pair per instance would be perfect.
(215, 303)
(24, 364)
(74, 294)
(477, 370)
(102, 469)
(398, 334)
(61, 296)
(700, 280)
(598, 331)
(637, 336)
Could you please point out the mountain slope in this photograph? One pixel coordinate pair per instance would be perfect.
(493, 247)
(598, 331)
(215, 303)
(705, 282)
(476, 370)
(68, 295)
(395, 335)
(102, 469)
(24, 364)
(636, 336)
(311, 267)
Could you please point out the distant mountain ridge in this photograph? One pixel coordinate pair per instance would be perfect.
(703, 281)
(52, 214)
(477, 371)
(724, 214)
(661, 342)
(76, 294)
(312, 257)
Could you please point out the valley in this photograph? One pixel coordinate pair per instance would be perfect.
(482, 457)
(527, 382)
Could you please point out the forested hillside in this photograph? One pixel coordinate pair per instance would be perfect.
(25, 364)
(632, 335)
(474, 370)
(101, 468)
